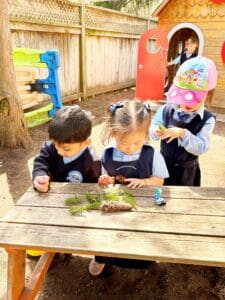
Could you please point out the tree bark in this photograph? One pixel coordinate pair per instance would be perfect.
(13, 127)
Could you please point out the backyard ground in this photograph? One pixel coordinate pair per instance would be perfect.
(68, 277)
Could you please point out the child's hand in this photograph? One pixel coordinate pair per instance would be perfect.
(172, 133)
(105, 180)
(41, 183)
(135, 183)
(160, 129)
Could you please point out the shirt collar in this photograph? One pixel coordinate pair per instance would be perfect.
(199, 111)
(67, 160)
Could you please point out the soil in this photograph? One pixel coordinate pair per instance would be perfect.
(68, 277)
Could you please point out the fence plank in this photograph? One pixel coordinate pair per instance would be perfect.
(98, 47)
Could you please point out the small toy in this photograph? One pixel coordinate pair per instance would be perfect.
(157, 196)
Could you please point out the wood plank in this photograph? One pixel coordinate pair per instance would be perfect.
(83, 58)
(37, 277)
(210, 207)
(16, 273)
(181, 192)
(130, 221)
(208, 251)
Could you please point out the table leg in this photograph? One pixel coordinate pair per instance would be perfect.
(37, 277)
(16, 273)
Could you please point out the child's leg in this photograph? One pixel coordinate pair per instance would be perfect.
(96, 268)
(124, 262)
(184, 174)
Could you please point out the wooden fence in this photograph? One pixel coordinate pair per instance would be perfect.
(98, 47)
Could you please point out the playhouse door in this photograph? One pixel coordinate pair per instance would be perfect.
(151, 65)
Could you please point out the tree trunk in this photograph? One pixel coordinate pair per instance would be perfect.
(13, 127)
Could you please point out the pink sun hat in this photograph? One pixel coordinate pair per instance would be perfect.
(193, 80)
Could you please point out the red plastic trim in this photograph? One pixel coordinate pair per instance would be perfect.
(223, 52)
(218, 1)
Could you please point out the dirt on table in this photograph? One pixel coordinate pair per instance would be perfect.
(68, 277)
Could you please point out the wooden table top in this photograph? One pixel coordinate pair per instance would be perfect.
(190, 228)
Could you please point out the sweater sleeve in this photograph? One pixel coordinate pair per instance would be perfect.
(42, 163)
(94, 170)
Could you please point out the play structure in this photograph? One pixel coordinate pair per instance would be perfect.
(151, 65)
(26, 62)
(202, 19)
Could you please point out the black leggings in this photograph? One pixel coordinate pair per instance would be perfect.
(124, 262)
(186, 174)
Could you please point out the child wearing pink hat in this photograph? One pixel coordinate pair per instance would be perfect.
(183, 125)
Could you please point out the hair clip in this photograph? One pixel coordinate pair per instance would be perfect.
(113, 107)
(147, 107)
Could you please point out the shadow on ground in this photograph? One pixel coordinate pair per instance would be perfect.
(69, 279)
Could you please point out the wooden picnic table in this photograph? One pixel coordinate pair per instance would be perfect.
(189, 229)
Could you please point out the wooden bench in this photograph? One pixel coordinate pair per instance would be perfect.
(189, 229)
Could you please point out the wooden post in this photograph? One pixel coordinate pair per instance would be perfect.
(37, 277)
(83, 70)
(16, 273)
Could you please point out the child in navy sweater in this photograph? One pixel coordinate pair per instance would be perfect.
(68, 156)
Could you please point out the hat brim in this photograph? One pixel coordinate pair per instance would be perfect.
(185, 97)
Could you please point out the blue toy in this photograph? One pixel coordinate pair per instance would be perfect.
(50, 85)
(157, 196)
(41, 59)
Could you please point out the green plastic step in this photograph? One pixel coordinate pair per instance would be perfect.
(38, 116)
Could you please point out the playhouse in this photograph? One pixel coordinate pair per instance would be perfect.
(203, 19)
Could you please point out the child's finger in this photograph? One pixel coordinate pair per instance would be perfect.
(43, 189)
(133, 184)
(158, 133)
(170, 139)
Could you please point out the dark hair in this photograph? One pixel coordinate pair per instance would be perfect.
(193, 40)
(70, 124)
(125, 116)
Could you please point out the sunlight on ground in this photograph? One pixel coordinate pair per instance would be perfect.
(6, 200)
(30, 165)
(212, 173)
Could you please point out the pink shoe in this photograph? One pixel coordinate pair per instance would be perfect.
(95, 268)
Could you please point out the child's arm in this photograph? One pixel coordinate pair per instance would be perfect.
(199, 143)
(136, 183)
(159, 172)
(41, 168)
(195, 144)
(94, 163)
(175, 61)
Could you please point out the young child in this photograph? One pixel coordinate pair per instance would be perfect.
(190, 51)
(68, 156)
(188, 124)
(131, 157)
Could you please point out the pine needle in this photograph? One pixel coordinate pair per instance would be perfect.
(75, 210)
(93, 206)
(73, 200)
(96, 199)
(93, 197)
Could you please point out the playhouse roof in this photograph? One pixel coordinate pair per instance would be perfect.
(160, 7)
